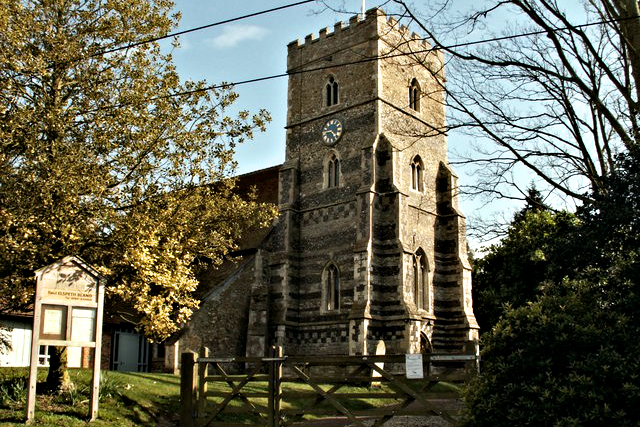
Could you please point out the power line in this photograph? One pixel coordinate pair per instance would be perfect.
(191, 30)
(375, 58)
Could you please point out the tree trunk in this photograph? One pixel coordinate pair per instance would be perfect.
(58, 379)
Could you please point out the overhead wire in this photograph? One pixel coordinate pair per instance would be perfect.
(294, 72)
(364, 60)
(203, 27)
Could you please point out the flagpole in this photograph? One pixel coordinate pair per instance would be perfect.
(363, 9)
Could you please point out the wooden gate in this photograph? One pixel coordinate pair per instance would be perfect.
(299, 390)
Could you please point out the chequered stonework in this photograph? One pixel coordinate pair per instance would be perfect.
(330, 213)
(367, 231)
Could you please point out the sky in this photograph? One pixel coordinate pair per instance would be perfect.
(247, 49)
(257, 47)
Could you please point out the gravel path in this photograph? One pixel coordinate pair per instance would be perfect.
(450, 405)
(403, 421)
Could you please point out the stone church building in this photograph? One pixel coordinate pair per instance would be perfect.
(369, 250)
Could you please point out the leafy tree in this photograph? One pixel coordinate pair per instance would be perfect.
(537, 249)
(564, 360)
(534, 202)
(571, 358)
(611, 231)
(107, 155)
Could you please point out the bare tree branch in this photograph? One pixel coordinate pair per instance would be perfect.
(560, 101)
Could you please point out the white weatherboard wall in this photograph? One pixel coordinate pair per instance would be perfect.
(20, 351)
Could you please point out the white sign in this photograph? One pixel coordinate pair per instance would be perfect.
(83, 324)
(413, 363)
(67, 281)
(52, 324)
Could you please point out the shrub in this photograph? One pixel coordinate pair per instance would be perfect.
(13, 391)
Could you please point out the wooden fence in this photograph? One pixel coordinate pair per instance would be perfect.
(296, 390)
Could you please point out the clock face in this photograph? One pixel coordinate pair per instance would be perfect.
(331, 131)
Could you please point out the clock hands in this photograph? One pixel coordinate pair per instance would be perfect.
(332, 131)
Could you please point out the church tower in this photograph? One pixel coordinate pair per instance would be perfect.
(369, 252)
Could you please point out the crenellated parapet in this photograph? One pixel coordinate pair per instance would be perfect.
(340, 30)
(375, 25)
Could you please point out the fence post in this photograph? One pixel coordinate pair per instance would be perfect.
(187, 388)
(203, 369)
(275, 379)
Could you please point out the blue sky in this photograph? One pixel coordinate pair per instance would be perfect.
(257, 47)
(247, 49)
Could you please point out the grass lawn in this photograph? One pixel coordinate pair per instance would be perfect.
(144, 399)
(126, 399)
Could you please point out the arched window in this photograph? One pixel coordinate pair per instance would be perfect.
(331, 92)
(420, 280)
(332, 171)
(331, 288)
(417, 175)
(414, 95)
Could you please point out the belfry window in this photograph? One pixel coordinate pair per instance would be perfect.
(414, 95)
(332, 171)
(331, 92)
(417, 174)
(331, 288)
(420, 280)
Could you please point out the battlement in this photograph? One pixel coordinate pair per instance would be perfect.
(374, 16)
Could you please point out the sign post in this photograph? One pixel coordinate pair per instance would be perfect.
(67, 313)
